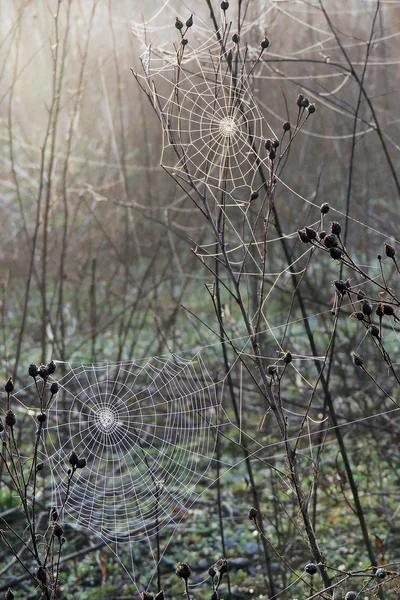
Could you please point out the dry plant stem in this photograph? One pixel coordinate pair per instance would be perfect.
(219, 505)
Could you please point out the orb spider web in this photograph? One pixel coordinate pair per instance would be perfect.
(214, 132)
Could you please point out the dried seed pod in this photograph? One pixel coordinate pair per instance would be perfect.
(54, 514)
(311, 568)
(235, 38)
(73, 458)
(311, 109)
(286, 126)
(33, 370)
(159, 595)
(43, 372)
(379, 310)
(9, 387)
(268, 145)
(287, 357)
(254, 196)
(272, 154)
(335, 253)
(311, 233)
(253, 512)
(350, 596)
(81, 464)
(10, 419)
(389, 251)
(178, 23)
(41, 575)
(305, 103)
(336, 227)
(380, 573)
(366, 308)
(275, 143)
(184, 42)
(359, 315)
(303, 236)
(40, 467)
(271, 370)
(146, 596)
(388, 310)
(322, 234)
(183, 570)
(189, 22)
(330, 240)
(9, 595)
(224, 6)
(223, 566)
(54, 388)
(324, 208)
(341, 286)
(357, 360)
(360, 294)
(299, 100)
(212, 572)
(265, 43)
(51, 367)
(58, 530)
(42, 417)
(374, 331)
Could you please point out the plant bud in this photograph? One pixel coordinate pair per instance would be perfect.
(42, 417)
(388, 310)
(271, 370)
(178, 23)
(33, 370)
(379, 310)
(189, 22)
(380, 573)
(324, 208)
(224, 566)
(212, 572)
(366, 308)
(300, 99)
(235, 38)
(311, 568)
(286, 126)
(254, 196)
(287, 357)
(350, 596)
(184, 42)
(275, 143)
(54, 388)
(359, 315)
(340, 286)
(10, 418)
(9, 387)
(51, 367)
(81, 464)
(390, 251)
(374, 331)
(268, 145)
(330, 240)
(265, 43)
(183, 570)
(43, 372)
(311, 109)
(224, 6)
(311, 233)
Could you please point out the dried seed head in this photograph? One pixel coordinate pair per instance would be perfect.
(388, 310)
(265, 43)
(51, 367)
(146, 596)
(54, 514)
(9, 387)
(366, 308)
(42, 417)
(81, 464)
(390, 251)
(331, 240)
(336, 227)
(303, 236)
(299, 100)
(271, 370)
(33, 370)
(380, 573)
(311, 233)
(58, 530)
(311, 109)
(41, 575)
(322, 234)
(223, 566)
(359, 315)
(253, 512)
(73, 458)
(9, 595)
(183, 570)
(379, 310)
(212, 572)
(224, 6)
(254, 196)
(275, 143)
(374, 331)
(286, 126)
(335, 253)
(178, 23)
(305, 103)
(184, 42)
(360, 294)
(287, 357)
(272, 154)
(189, 22)
(350, 596)
(235, 38)
(40, 467)
(43, 372)
(268, 145)
(357, 360)
(10, 418)
(341, 286)
(159, 595)
(54, 388)
(311, 568)
(324, 208)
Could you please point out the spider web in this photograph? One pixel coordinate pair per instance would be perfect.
(214, 132)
